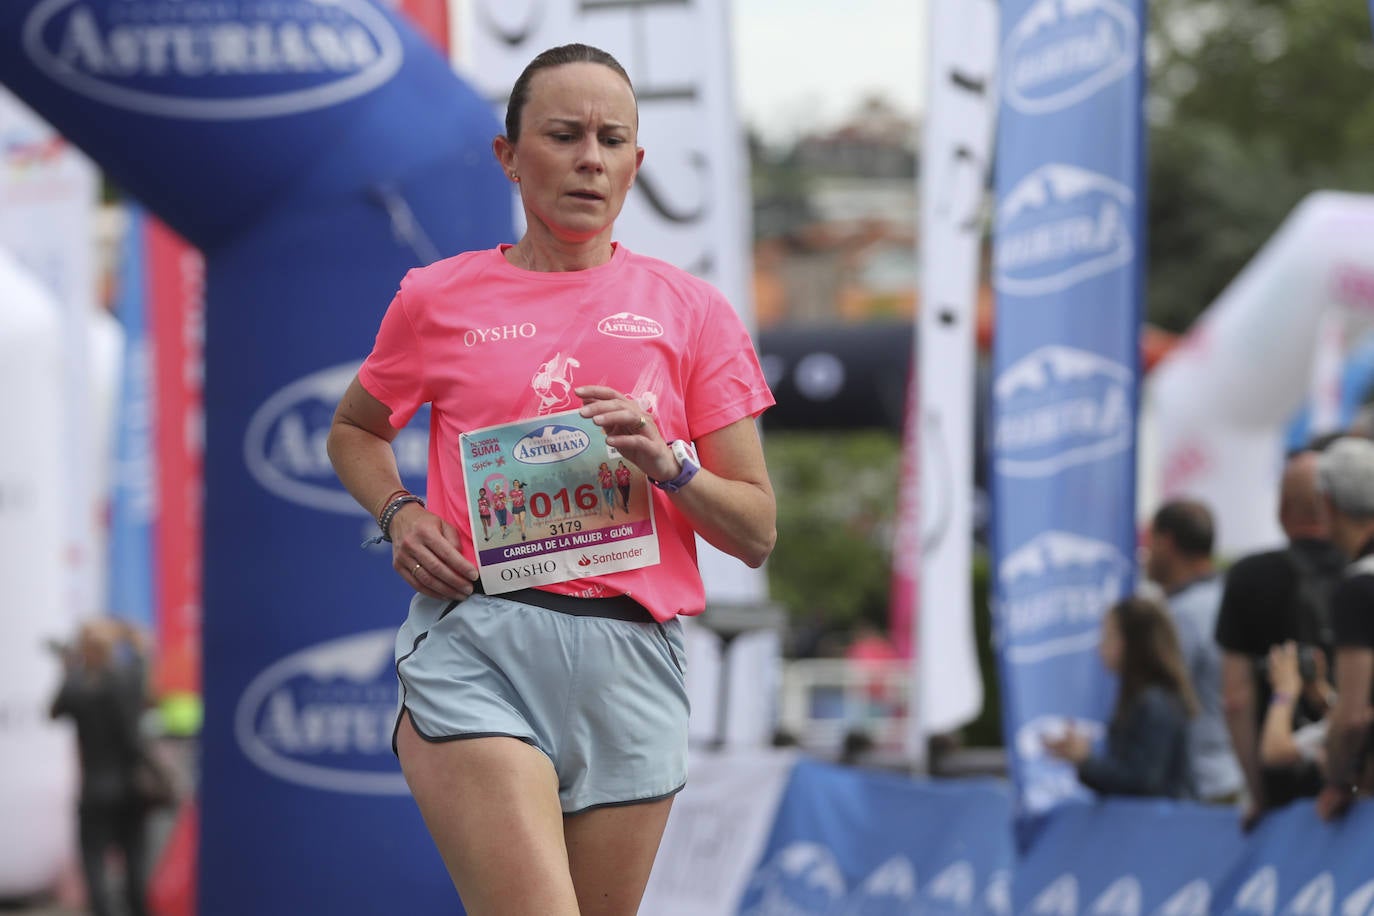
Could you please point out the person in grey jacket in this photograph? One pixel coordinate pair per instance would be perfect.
(1180, 562)
(1147, 738)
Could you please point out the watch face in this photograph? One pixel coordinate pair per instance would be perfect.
(687, 458)
(682, 453)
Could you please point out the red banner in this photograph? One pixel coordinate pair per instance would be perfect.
(431, 18)
(176, 291)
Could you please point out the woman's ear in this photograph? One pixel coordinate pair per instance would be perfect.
(504, 151)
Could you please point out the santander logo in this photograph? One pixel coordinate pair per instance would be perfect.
(629, 326)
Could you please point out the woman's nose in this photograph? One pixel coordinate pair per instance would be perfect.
(589, 154)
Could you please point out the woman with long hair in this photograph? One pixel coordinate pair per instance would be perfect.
(1147, 737)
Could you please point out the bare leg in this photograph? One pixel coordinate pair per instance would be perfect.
(611, 852)
(491, 805)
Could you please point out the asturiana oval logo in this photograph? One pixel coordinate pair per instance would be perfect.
(1064, 51)
(323, 717)
(226, 60)
(1058, 407)
(1055, 589)
(550, 445)
(285, 445)
(630, 326)
(1059, 226)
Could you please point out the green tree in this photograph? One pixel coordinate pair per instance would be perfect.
(837, 496)
(1254, 104)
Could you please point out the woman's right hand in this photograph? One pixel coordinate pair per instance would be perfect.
(424, 550)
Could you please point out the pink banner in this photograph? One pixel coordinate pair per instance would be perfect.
(176, 290)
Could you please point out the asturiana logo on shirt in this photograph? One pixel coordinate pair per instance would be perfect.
(551, 444)
(629, 326)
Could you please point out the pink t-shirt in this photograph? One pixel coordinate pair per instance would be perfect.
(485, 342)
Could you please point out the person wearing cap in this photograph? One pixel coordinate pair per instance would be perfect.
(1345, 473)
(1270, 598)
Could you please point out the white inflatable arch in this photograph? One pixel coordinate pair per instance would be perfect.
(1216, 410)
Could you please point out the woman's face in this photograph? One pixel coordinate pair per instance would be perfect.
(1109, 646)
(576, 156)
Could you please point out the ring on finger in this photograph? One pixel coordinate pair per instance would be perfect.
(643, 422)
(416, 570)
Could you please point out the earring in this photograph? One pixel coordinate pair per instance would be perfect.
(514, 177)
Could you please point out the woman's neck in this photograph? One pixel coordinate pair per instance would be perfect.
(551, 255)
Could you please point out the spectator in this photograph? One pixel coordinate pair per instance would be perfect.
(1346, 478)
(872, 656)
(1147, 737)
(1269, 599)
(1282, 742)
(1180, 563)
(103, 691)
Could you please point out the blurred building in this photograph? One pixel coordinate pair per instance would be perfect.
(835, 219)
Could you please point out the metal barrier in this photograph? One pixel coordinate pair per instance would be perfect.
(825, 700)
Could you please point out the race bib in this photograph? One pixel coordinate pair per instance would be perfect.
(550, 501)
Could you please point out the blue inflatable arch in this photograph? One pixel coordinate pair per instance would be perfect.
(314, 152)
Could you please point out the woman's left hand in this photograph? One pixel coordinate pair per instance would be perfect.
(629, 430)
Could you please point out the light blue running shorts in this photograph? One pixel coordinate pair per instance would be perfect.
(605, 699)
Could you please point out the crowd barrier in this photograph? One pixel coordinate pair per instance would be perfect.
(774, 834)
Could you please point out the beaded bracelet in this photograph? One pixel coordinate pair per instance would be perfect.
(381, 507)
(388, 514)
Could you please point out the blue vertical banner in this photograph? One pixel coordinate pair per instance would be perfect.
(133, 496)
(1069, 250)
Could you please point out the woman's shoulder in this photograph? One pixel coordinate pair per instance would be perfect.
(463, 267)
(661, 271)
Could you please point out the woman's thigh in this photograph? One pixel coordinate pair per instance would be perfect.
(611, 852)
(491, 805)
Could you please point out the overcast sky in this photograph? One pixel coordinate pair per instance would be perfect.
(804, 64)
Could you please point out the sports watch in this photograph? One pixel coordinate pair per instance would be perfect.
(687, 457)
